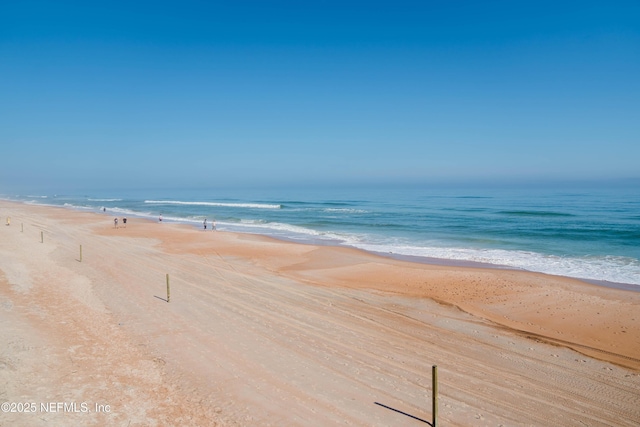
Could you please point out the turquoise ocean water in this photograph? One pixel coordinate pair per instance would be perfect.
(587, 233)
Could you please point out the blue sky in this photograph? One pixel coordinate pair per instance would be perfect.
(220, 94)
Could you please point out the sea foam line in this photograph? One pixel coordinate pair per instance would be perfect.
(602, 268)
(218, 204)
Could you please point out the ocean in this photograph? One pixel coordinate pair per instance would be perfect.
(586, 233)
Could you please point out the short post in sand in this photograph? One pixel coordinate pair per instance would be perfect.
(434, 397)
(168, 291)
(22, 227)
(42, 237)
(8, 220)
(80, 253)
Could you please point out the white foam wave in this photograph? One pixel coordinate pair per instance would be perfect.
(104, 200)
(131, 212)
(329, 210)
(600, 268)
(284, 230)
(72, 206)
(275, 226)
(218, 204)
(345, 210)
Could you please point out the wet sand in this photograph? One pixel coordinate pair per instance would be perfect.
(265, 332)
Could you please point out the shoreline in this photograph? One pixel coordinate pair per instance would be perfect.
(261, 331)
(475, 264)
(324, 242)
(431, 260)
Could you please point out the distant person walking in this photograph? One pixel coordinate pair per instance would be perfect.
(115, 222)
(160, 219)
(124, 221)
(205, 224)
(213, 225)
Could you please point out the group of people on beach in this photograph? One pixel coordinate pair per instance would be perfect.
(124, 222)
(213, 225)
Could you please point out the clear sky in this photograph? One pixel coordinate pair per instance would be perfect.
(212, 93)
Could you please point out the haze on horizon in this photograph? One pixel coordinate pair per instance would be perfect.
(268, 93)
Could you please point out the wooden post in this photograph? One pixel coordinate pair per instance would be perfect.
(434, 408)
(42, 237)
(168, 291)
(80, 253)
(22, 227)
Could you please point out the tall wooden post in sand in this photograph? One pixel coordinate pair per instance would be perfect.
(168, 290)
(434, 403)
(42, 237)
(80, 253)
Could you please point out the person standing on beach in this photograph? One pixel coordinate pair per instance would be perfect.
(160, 219)
(124, 221)
(115, 222)
(205, 224)
(213, 225)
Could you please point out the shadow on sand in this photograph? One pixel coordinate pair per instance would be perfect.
(403, 413)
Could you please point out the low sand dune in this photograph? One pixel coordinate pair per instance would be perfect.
(261, 332)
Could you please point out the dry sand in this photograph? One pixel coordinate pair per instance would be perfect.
(261, 332)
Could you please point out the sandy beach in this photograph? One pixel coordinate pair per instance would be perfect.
(261, 332)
